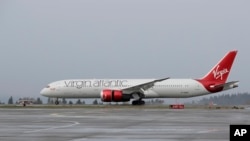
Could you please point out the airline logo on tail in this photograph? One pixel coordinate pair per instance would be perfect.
(219, 73)
(215, 79)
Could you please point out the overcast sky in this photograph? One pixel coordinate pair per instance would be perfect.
(48, 40)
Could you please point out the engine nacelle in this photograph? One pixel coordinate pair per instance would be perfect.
(108, 95)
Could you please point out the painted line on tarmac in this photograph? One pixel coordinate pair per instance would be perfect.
(74, 123)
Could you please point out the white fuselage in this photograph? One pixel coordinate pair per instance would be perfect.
(91, 88)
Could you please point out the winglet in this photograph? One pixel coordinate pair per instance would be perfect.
(159, 80)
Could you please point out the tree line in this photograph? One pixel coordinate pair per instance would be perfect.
(227, 99)
(49, 101)
(64, 101)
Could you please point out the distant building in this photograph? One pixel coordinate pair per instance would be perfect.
(26, 100)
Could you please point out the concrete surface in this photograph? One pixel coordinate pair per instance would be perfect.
(80, 124)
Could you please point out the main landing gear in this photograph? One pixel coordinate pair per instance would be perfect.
(138, 99)
(138, 102)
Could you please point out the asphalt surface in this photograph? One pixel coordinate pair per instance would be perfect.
(106, 124)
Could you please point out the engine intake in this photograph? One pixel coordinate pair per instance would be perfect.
(108, 95)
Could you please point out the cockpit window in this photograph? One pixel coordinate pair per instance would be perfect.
(48, 86)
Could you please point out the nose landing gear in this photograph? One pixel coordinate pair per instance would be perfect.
(56, 102)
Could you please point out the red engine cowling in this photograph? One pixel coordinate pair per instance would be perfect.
(108, 95)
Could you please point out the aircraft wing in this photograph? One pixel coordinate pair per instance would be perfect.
(142, 87)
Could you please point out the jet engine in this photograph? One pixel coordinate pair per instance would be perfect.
(108, 95)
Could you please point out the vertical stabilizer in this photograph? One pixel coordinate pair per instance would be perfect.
(215, 79)
(220, 72)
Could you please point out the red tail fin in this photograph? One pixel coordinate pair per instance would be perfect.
(220, 71)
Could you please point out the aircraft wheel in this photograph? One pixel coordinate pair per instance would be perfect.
(134, 102)
(142, 102)
(138, 102)
(56, 102)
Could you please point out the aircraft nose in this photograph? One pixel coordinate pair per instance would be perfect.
(44, 92)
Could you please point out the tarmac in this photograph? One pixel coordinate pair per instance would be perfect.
(137, 124)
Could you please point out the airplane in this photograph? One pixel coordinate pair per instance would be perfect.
(124, 90)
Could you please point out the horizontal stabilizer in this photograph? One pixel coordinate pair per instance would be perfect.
(227, 85)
